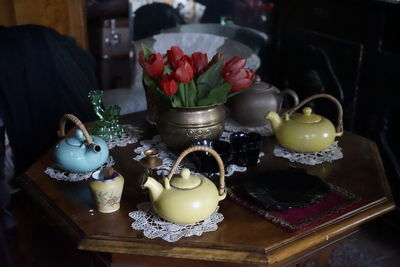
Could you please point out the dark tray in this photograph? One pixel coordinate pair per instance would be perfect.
(281, 189)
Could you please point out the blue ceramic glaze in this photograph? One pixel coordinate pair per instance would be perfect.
(96, 177)
(74, 155)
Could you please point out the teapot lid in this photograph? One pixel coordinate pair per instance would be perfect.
(185, 180)
(77, 139)
(261, 87)
(307, 116)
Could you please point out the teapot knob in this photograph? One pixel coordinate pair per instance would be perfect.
(307, 111)
(79, 135)
(185, 173)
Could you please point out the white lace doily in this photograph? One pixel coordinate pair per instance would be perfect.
(330, 154)
(232, 126)
(75, 177)
(168, 158)
(131, 135)
(153, 226)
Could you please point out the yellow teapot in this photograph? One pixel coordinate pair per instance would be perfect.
(306, 132)
(186, 198)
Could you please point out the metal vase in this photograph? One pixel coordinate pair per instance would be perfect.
(180, 127)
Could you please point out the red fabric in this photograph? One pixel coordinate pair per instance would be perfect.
(335, 204)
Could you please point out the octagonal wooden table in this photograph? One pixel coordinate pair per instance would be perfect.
(242, 238)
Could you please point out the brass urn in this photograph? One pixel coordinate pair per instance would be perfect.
(180, 127)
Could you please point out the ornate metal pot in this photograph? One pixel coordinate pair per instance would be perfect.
(249, 107)
(180, 127)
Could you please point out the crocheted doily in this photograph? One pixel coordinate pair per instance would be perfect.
(330, 154)
(168, 158)
(75, 177)
(131, 135)
(153, 226)
(232, 126)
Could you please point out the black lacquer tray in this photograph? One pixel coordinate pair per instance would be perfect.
(281, 189)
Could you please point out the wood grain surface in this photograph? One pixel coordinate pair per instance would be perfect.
(242, 237)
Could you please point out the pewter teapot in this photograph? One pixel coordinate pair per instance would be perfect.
(186, 198)
(81, 152)
(260, 96)
(306, 132)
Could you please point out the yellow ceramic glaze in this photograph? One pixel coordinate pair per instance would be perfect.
(306, 132)
(186, 198)
(107, 192)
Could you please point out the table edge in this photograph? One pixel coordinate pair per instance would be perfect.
(203, 252)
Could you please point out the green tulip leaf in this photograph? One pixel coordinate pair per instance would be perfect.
(176, 101)
(218, 95)
(191, 94)
(147, 51)
(209, 79)
(148, 81)
(182, 94)
(167, 70)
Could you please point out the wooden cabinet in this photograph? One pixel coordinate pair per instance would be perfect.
(67, 17)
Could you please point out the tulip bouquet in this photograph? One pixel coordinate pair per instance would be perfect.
(193, 81)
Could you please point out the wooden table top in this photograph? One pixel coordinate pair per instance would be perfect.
(242, 236)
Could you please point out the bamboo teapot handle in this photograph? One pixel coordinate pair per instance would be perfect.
(339, 125)
(63, 120)
(217, 157)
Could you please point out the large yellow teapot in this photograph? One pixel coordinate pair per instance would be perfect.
(307, 131)
(186, 198)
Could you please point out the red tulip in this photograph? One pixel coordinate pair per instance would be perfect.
(174, 54)
(169, 84)
(184, 70)
(236, 63)
(200, 62)
(240, 79)
(214, 60)
(154, 65)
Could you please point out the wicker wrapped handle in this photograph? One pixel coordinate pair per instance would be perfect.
(212, 152)
(63, 120)
(339, 126)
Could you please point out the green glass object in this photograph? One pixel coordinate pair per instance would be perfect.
(107, 126)
(226, 20)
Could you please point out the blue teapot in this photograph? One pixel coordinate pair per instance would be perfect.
(81, 152)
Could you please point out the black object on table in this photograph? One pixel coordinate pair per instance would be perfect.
(282, 189)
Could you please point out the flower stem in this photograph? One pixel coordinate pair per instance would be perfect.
(186, 92)
(181, 91)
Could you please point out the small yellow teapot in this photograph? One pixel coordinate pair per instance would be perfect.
(186, 198)
(306, 132)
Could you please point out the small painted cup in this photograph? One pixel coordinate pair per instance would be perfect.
(107, 191)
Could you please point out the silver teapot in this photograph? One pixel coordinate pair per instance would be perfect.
(249, 108)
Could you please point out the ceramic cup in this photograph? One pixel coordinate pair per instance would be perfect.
(204, 161)
(107, 191)
(246, 148)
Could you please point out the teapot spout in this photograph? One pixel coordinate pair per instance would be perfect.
(155, 188)
(275, 119)
(94, 148)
